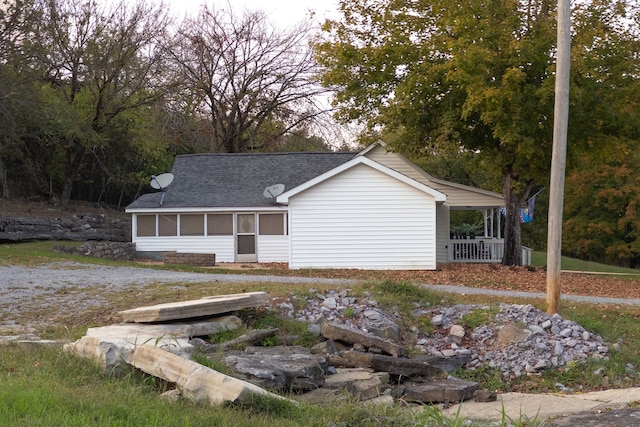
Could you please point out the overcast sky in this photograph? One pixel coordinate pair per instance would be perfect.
(282, 13)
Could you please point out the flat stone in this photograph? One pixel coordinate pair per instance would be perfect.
(208, 306)
(112, 345)
(281, 368)
(446, 364)
(456, 331)
(109, 356)
(443, 390)
(342, 333)
(325, 347)
(196, 382)
(509, 335)
(392, 365)
(359, 383)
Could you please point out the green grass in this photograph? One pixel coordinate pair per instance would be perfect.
(539, 259)
(48, 387)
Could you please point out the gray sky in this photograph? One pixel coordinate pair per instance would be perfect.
(282, 13)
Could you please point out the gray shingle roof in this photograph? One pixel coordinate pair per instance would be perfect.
(237, 180)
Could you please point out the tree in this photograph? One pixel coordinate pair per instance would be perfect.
(476, 75)
(601, 219)
(246, 77)
(101, 63)
(16, 100)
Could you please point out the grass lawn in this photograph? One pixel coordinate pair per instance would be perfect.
(48, 387)
(539, 259)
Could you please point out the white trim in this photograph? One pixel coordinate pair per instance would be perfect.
(180, 210)
(284, 197)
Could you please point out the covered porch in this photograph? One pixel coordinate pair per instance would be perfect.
(486, 247)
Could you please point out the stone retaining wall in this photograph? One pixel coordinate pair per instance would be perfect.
(79, 228)
(200, 260)
(118, 251)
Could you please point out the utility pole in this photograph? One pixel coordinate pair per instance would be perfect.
(558, 161)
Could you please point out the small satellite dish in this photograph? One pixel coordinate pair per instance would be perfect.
(161, 182)
(273, 191)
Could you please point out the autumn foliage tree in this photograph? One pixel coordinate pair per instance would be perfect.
(477, 76)
(602, 216)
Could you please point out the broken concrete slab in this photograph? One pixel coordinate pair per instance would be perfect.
(442, 390)
(208, 306)
(446, 364)
(348, 384)
(360, 383)
(343, 333)
(137, 332)
(281, 368)
(392, 365)
(108, 355)
(195, 381)
(112, 345)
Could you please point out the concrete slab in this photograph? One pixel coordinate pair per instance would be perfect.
(195, 381)
(208, 306)
(543, 406)
(112, 345)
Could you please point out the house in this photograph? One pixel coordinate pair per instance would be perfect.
(369, 210)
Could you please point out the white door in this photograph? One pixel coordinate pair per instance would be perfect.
(246, 238)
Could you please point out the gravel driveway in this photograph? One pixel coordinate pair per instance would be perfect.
(63, 287)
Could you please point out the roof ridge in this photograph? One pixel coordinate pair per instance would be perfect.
(267, 154)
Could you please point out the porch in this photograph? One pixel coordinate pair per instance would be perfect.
(481, 249)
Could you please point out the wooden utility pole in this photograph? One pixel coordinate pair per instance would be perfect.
(558, 161)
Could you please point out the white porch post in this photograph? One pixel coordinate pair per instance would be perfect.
(486, 215)
(499, 226)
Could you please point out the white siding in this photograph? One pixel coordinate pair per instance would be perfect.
(362, 218)
(442, 233)
(222, 246)
(457, 195)
(273, 248)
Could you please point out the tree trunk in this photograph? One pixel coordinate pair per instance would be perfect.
(5, 194)
(65, 198)
(513, 202)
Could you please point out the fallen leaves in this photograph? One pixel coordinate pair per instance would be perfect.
(487, 276)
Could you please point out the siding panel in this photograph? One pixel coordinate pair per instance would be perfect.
(362, 218)
(273, 248)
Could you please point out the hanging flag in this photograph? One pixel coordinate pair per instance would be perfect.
(526, 213)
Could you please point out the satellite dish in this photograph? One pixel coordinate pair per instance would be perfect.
(161, 182)
(273, 191)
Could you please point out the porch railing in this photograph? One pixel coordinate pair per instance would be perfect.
(481, 250)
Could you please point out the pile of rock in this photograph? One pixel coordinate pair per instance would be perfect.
(161, 340)
(519, 340)
(363, 350)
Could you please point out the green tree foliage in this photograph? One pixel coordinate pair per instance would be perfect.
(477, 76)
(99, 63)
(602, 221)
